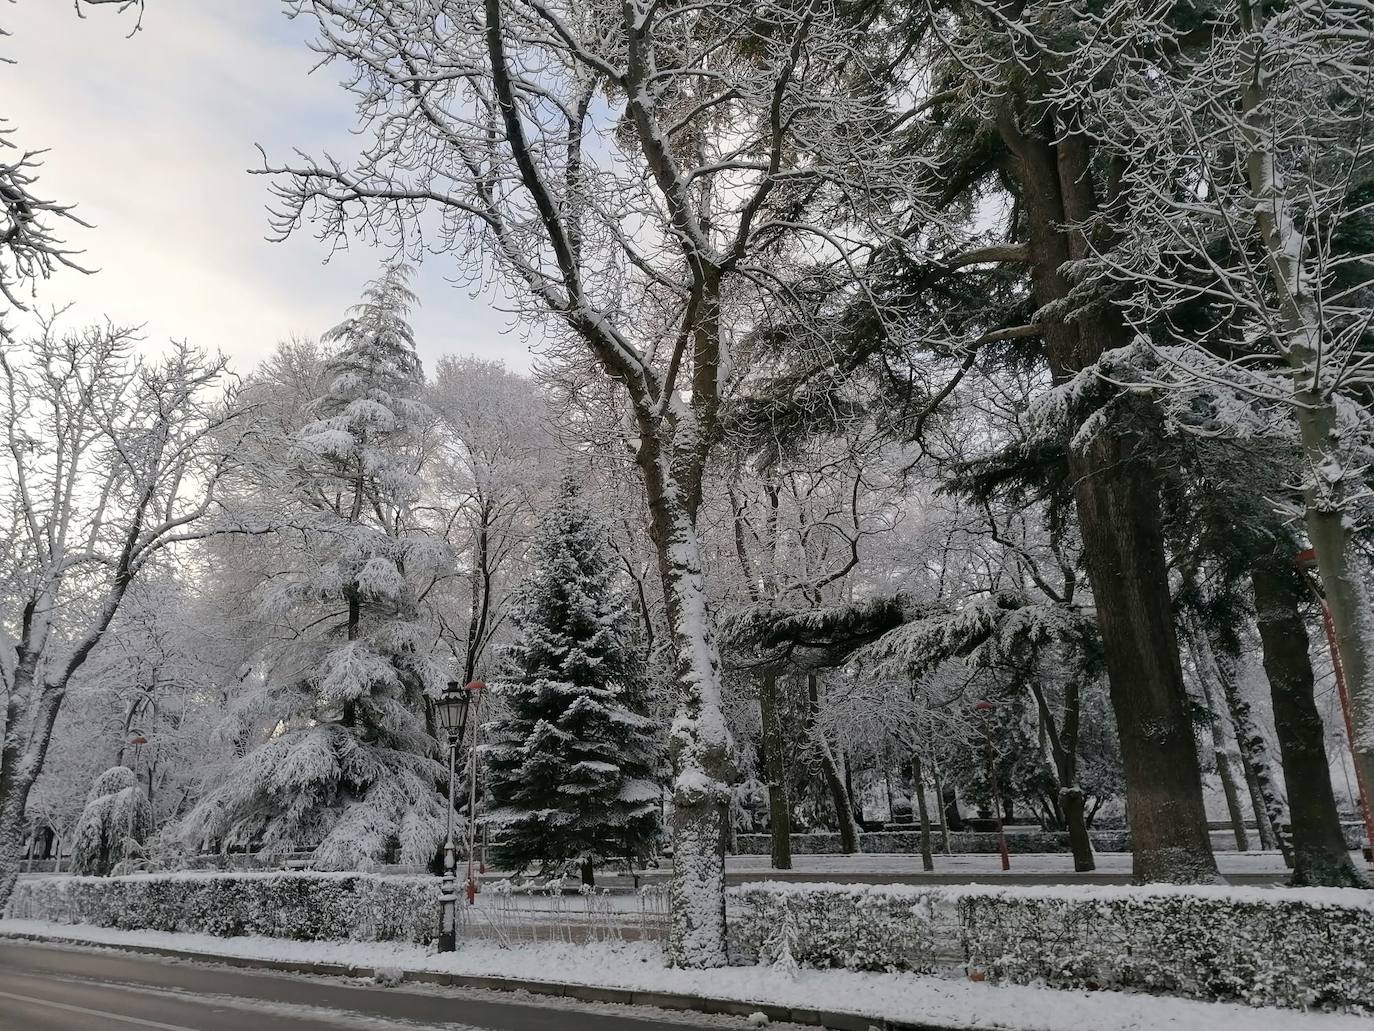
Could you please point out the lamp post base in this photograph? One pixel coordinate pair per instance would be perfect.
(448, 901)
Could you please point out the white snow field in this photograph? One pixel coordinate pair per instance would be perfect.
(988, 866)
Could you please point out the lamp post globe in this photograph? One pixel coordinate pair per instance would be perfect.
(452, 709)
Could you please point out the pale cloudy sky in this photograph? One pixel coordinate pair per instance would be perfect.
(152, 135)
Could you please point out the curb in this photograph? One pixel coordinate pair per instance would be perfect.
(829, 1020)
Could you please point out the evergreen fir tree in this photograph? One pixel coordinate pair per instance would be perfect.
(572, 764)
(349, 768)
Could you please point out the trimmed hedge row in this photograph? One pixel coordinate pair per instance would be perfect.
(868, 927)
(1018, 842)
(1306, 948)
(1293, 947)
(306, 905)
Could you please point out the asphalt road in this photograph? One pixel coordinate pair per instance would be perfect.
(55, 989)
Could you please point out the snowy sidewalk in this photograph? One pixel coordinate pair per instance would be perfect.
(633, 972)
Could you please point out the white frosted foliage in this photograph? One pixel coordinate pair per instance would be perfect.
(116, 819)
(343, 763)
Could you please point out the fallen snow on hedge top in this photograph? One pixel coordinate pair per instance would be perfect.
(1353, 898)
(639, 966)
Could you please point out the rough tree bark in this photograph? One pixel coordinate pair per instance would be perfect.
(940, 804)
(779, 804)
(1063, 747)
(699, 741)
(1269, 804)
(1319, 852)
(1221, 752)
(1118, 515)
(830, 771)
(1264, 823)
(21, 760)
(918, 789)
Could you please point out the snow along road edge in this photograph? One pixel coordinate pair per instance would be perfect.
(631, 973)
(657, 999)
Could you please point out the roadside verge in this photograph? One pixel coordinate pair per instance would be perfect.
(633, 973)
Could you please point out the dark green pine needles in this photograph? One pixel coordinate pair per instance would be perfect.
(573, 761)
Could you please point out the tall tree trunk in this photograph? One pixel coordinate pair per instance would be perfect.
(1264, 824)
(940, 804)
(950, 803)
(1319, 852)
(1228, 788)
(918, 791)
(830, 771)
(887, 785)
(775, 762)
(849, 833)
(1118, 515)
(1220, 751)
(22, 754)
(1254, 753)
(848, 768)
(1063, 747)
(699, 744)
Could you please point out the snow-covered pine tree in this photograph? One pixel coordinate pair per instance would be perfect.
(117, 814)
(348, 768)
(573, 762)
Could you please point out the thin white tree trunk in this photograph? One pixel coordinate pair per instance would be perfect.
(1221, 752)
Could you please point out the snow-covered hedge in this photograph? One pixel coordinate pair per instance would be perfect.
(307, 905)
(1301, 947)
(861, 927)
(1018, 842)
(1295, 947)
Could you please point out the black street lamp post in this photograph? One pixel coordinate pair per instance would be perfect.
(452, 710)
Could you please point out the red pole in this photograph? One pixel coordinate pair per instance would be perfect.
(1309, 556)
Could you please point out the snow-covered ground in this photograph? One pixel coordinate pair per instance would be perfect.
(639, 966)
(980, 864)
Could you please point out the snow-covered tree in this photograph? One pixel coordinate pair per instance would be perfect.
(493, 475)
(650, 182)
(105, 463)
(117, 815)
(1246, 176)
(574, 760)
(147, 698)
(348, 767)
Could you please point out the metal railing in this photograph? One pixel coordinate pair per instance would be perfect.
(509, 912)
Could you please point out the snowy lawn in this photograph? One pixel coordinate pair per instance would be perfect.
(979, 864)
(639, 966)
